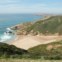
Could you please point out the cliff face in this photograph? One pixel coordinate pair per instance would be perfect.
(48, 26)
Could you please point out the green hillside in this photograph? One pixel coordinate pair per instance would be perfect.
(51, 25)
(47, 51)
(10, 51)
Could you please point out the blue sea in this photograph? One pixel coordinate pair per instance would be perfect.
(9, 20)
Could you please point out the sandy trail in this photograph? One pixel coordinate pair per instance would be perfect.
(27, 42)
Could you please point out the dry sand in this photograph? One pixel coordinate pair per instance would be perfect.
(29, 41)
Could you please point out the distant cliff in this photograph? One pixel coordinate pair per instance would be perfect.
(47, 26)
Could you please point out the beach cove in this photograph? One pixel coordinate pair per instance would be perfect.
(10, 20)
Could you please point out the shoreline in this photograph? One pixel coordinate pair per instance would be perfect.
(22, 24)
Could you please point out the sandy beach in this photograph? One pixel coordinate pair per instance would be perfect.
(29, 41)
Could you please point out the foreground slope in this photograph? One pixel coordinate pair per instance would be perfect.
(47, 51)
(10, 51)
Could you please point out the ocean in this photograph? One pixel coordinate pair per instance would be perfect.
(9, 20)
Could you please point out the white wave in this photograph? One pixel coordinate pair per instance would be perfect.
(8, 29)
(5, 37)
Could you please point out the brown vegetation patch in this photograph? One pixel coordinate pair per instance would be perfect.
(49, 47)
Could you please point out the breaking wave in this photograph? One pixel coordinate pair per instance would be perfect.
(8, 35)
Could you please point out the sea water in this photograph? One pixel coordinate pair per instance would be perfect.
(9, 20)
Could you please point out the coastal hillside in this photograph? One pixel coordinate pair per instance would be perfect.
(47, 51)
(47, 26)
(11, 51)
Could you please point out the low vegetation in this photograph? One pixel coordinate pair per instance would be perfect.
(28, 60)
(10, 51)
(47, 51)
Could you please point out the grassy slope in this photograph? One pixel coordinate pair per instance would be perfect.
(47, 51)
(51, 25)
(7, 51)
